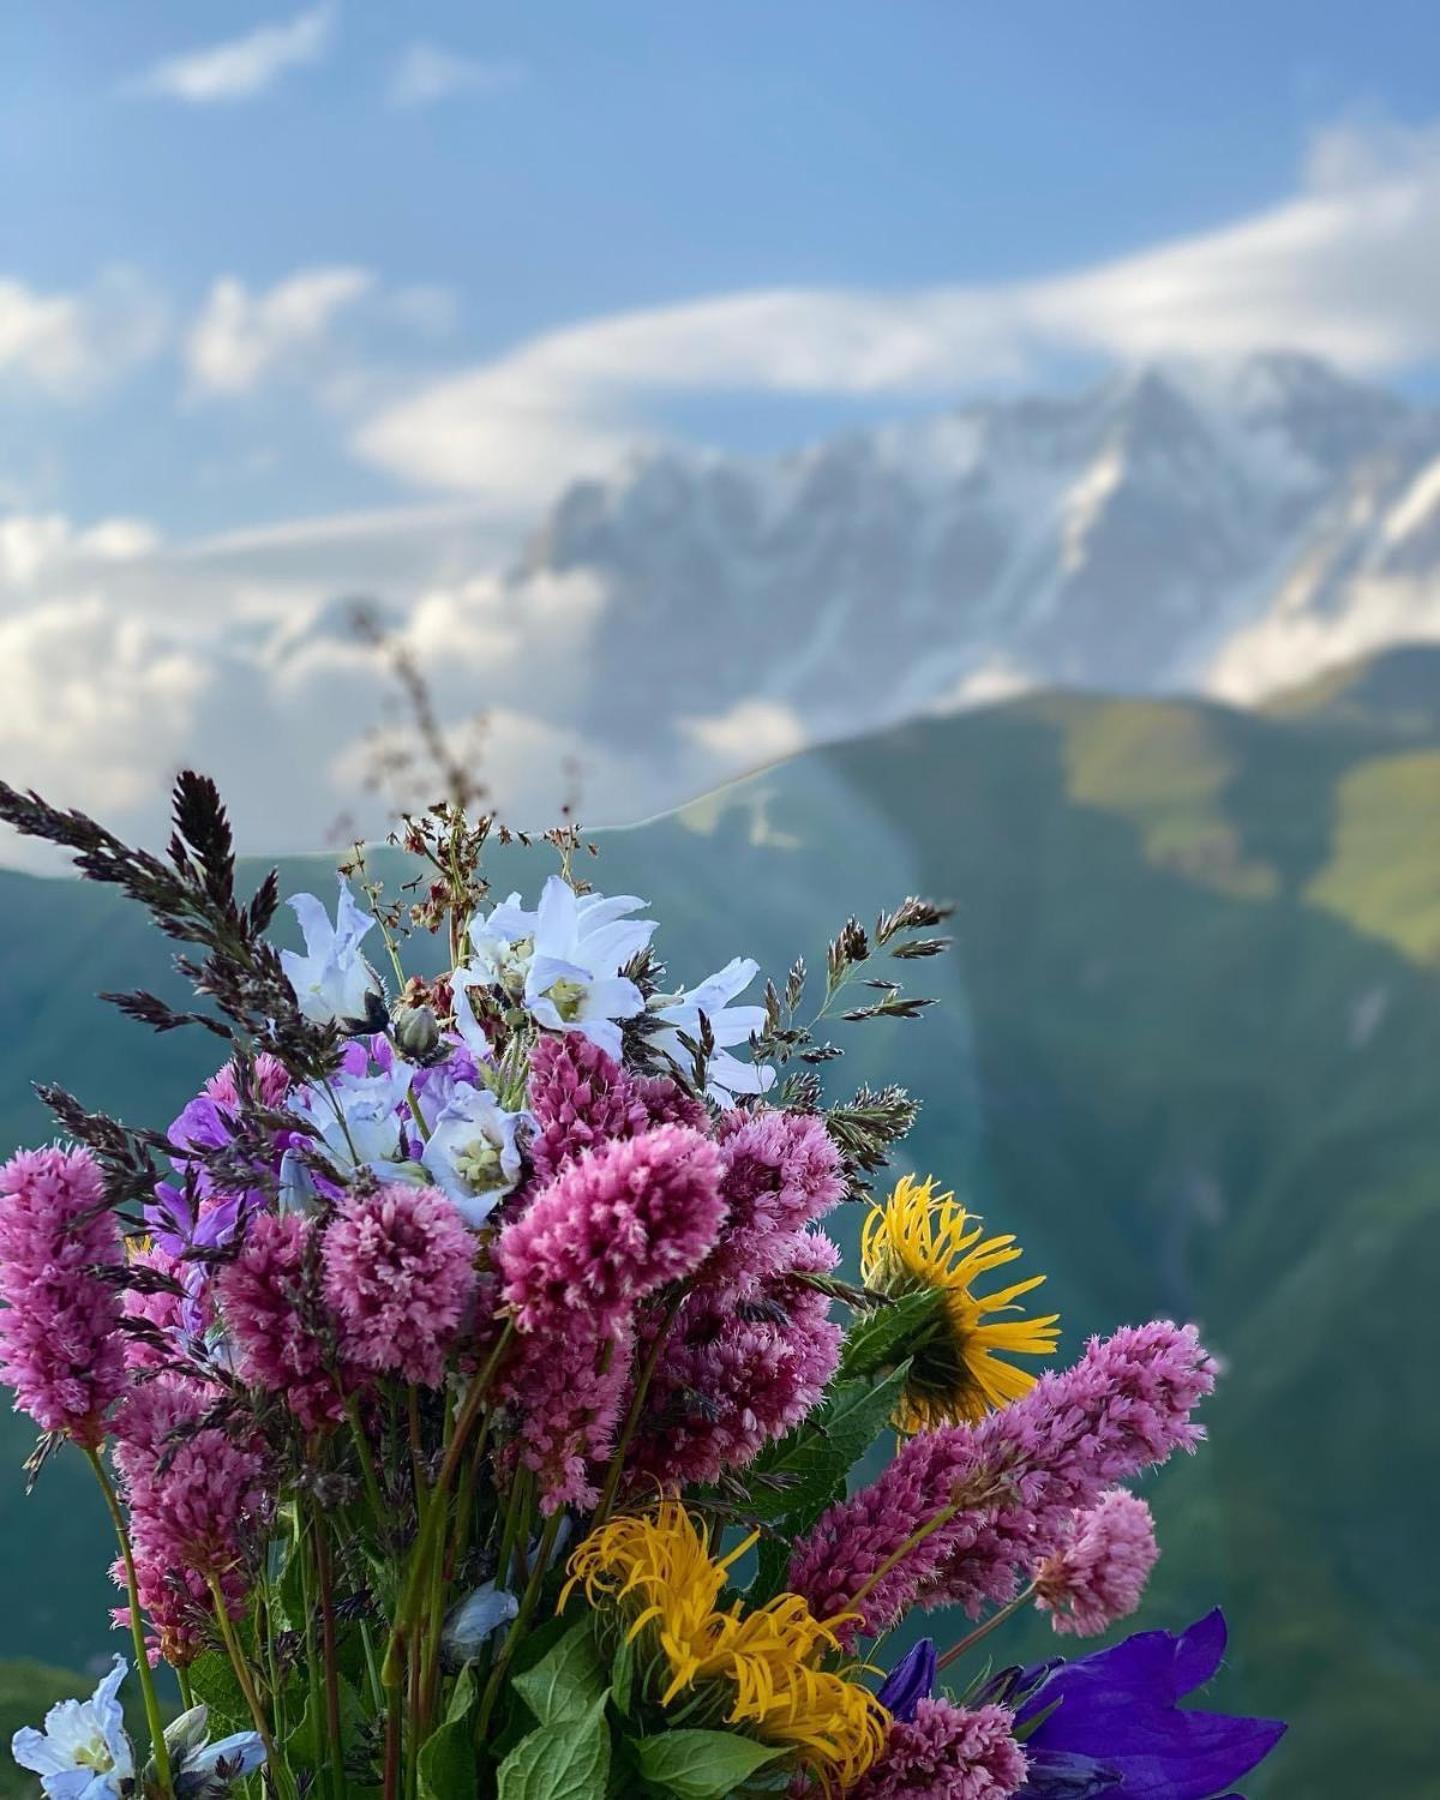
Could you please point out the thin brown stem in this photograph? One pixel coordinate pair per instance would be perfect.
(983, 1631)
(325, 1572)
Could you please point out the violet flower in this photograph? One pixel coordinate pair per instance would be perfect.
(1113, 1723)
(909, 1682)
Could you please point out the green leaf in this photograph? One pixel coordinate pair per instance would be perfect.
(462, 1697)
(447, 1757)
(568, 1679)
(889, 1335)
(213, 1681)
(308, 1744)
(622, 1674)
(796, 1478)
(567, 1760)
(772, 1564)
(701, 1765)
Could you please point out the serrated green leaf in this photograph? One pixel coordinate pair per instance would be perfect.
(212, 1680)
(701, 1765)
(796, 1478)
(567, 1760)
(568, 1679)
(888, 1336)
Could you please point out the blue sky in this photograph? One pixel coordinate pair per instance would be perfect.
(590, 161)
(304, 299)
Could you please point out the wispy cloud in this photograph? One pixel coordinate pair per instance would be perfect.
(1348, 268)
(243, 67)
(425, 73)
(69, 344)
(241, 337)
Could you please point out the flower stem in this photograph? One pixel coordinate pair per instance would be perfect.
(963, 1501)
(326, 1574)
(984, 1630)
(632, 1416)
(416, 1114)
(158, 1747)
(436, 1511)
(243, 1675)
(367, 1465)
(529, 1601)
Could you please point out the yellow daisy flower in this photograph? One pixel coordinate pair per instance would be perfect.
(920, 1239)
(761, 1666)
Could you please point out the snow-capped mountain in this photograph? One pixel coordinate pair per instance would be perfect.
(1218, 531)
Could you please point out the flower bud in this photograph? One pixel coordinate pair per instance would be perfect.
(416, 1031)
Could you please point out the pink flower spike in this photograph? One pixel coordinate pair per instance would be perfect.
(612, 1228)
(271, 1304)
(582, 1099)
(1098, 1576)
(1124, 1407)
(947, 1752)
(61, 1346)
(398, 1271)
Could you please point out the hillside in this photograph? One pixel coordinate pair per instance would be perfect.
(1189, 1053)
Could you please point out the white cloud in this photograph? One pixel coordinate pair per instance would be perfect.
(93, 706)
(37, 545)
(1348, 269)
(241, 337)
(68, 345)
(750, 733)
(425, 73)
(243, 67)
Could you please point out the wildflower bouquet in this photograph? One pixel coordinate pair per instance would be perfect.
(475, 1396)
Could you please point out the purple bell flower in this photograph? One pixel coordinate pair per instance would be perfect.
(909, 1682)
(1111, 1723)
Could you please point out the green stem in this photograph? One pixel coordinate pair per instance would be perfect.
(516, 1510)
(367, 1465)
(436, 1510)
(632, 1417)
(372, 1668)
(158, 1748)
(315, 1703)
(416, 1114)
(244, 1676)
(983, 1631)
(325, 1572)
(529, 1601)
(962, 1502)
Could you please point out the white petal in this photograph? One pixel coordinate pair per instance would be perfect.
(603, 1035)
(34, 1751)
(555, 919)
(609, 949)
(614, 998)
(314, 923)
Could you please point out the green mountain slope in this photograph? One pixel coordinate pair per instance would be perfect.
(1190, 1052)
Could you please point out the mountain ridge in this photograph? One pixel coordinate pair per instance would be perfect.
(1174, 528)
